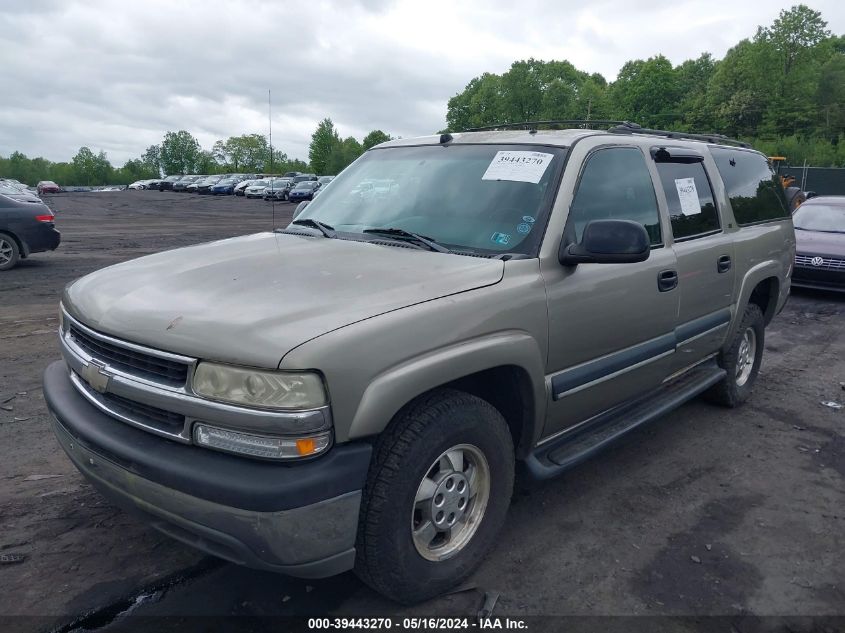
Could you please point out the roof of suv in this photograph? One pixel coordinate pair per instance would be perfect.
(566, 137)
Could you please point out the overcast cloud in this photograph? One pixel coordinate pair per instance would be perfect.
(116, 75)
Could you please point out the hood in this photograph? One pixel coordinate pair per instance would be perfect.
(820, 243)
(250, 300)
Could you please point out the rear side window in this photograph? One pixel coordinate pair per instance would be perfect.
(690, 199)
(616, 185)
(753, 187)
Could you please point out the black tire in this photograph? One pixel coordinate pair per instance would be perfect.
(387, 558)
(10, 252)
(729, 392)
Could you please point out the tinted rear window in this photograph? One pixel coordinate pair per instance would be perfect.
(753, 187)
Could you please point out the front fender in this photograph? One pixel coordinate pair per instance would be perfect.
(398, 385)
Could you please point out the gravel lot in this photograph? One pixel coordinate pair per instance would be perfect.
(707, 512)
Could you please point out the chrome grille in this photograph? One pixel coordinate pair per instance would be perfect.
(130, 360)
(167, 420)
(827, 263)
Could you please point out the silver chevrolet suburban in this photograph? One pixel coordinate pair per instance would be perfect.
(355, 391)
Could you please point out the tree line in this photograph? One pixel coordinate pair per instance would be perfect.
(181, 153)
(782, 90)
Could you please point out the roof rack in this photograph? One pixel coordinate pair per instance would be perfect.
(633, 128)
(533, 125)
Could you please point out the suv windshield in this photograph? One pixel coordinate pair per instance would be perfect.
(488, 198)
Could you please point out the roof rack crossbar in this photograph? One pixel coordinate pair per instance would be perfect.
(533, 125)
(633, 128)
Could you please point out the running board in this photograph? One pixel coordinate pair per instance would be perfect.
(570, 449)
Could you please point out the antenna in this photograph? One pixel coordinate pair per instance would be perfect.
(270, 124)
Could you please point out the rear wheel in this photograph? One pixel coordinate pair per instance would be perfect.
(10, 254)
(436, 496)
(741, 360)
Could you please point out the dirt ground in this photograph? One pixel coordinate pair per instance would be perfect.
(708, 512)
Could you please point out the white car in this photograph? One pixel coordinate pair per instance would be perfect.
(240, 188)
(256, 189)
(140, 184)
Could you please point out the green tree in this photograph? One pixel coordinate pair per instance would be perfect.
(89, 168)
(374, 138)
(151, 158)
(323, 142)
(343, 153)
(180, 153)
(831, 96)
(738, 88)
(648, 92)
(522, 91)
(792, 45)
(249, 152)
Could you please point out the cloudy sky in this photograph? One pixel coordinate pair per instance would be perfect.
(116, 75)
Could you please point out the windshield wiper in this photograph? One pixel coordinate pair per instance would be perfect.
(324, 228)
(408, 235)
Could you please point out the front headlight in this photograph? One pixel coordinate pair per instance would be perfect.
(259, 388)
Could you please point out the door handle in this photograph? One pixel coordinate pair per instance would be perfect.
(723, 265)
(666, 280)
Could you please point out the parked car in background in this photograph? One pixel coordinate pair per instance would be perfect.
(167, 183)
(192, 187)
(291, 174)
(303, 191)
(820, 243)
(26, 227)
(184, 181)
(17, 193)
(204, 186)
(240, 188)
(47, 186)
(256, 189)
(277, 189)
(324, 180)
(15, 184)
(140, 184)
(225, 186)
(153, 184)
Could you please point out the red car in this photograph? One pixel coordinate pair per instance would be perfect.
(47, 186)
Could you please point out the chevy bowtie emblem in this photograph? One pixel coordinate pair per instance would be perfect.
(817, 261)
(95, 375)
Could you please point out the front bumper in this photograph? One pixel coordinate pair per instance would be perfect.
(299, 519)
(818, 278)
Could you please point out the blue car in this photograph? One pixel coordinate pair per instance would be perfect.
(225, 187)
(303, 191)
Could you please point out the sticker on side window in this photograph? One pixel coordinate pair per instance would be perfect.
(518, 166)
(688, 195)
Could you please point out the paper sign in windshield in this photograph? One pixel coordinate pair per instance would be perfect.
(518, 166)
(688, 195)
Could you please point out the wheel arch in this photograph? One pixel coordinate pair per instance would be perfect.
(22, 246)
(762, 286)
(515, 387)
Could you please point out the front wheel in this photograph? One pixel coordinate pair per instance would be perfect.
(741, 360)
(436, 496)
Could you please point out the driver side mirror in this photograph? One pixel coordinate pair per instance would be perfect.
(300, 208)
(608, 242)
